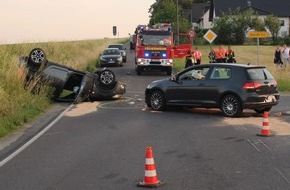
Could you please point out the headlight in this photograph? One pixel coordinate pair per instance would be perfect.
(170, 60)
(119, 58)
(102, 59)
(139, 60)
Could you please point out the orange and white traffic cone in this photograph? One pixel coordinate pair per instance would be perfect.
(265, 130)
(150, 179)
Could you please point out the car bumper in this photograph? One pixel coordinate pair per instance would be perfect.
(261, 101)
(108, 64)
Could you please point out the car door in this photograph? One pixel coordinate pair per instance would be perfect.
(189, 88)
(216, 85)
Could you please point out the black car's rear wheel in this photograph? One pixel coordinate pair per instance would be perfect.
(37, 56)
(262, 110)
(231, 106)
(157, 101)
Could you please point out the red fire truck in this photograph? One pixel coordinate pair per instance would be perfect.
(156, 48)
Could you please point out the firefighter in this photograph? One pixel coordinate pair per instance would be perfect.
(220, 54)
(230, 55)
(197, 56)
(188, 59)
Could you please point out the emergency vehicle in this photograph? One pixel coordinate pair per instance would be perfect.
(155, 48)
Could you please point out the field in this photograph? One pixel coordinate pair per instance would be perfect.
(248, 54)
(19, 106)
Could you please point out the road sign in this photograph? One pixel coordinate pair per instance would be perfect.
(258, 34)
(210, 36)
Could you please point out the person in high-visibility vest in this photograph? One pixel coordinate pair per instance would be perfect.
(220, 54)
(197, 56)
(230, 55)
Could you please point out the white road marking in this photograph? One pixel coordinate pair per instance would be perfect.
(28, 143)
(253, 145)
(282, 175)
(264, 144)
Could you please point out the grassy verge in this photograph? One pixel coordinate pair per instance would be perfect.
(248, 54)
(19, 106)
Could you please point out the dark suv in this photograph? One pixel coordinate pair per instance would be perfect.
(78, 85)
(229, 87)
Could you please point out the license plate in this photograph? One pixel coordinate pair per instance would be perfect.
(155, 60)
(111, 61)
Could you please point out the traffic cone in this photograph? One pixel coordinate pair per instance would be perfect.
(150, 179)
(265, 130)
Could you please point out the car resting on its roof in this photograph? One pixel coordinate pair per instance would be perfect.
(78, 85)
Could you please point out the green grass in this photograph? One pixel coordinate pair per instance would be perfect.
(248, 54)
(19, 105)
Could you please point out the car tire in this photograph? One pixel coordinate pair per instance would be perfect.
(37, 56)
(106, 78)
(157, 101)
(231, 106)
(262, 110)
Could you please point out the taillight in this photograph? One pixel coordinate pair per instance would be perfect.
(251, 85)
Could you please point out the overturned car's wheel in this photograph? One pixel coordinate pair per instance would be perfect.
(37, 56)
(107, 78)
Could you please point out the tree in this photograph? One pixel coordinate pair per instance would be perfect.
(272, 23)
(165, 11)
(231, 28)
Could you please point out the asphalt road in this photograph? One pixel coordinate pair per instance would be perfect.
(101, 145)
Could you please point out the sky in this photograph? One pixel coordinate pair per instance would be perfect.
(64, 20)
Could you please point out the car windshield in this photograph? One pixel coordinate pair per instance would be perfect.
(111, 52)
(259, 74)
(117, 46)
(156, 39)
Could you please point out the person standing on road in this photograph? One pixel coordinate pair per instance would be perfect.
(286, 55)
(230, 55)
(277, 57)
(197, 56)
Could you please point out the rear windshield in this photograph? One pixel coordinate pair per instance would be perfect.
(259, 74)
(116, 46)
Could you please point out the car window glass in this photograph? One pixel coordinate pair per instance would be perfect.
(195, 74)
(259, 74)
(221, 73)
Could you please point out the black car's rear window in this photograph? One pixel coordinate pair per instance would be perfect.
(259, 74)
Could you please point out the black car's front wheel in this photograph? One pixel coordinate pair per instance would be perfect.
(157, 101)
(231, 106)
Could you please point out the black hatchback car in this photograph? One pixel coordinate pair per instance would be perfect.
(229, 87)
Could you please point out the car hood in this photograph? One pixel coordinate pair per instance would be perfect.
(158, 83)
